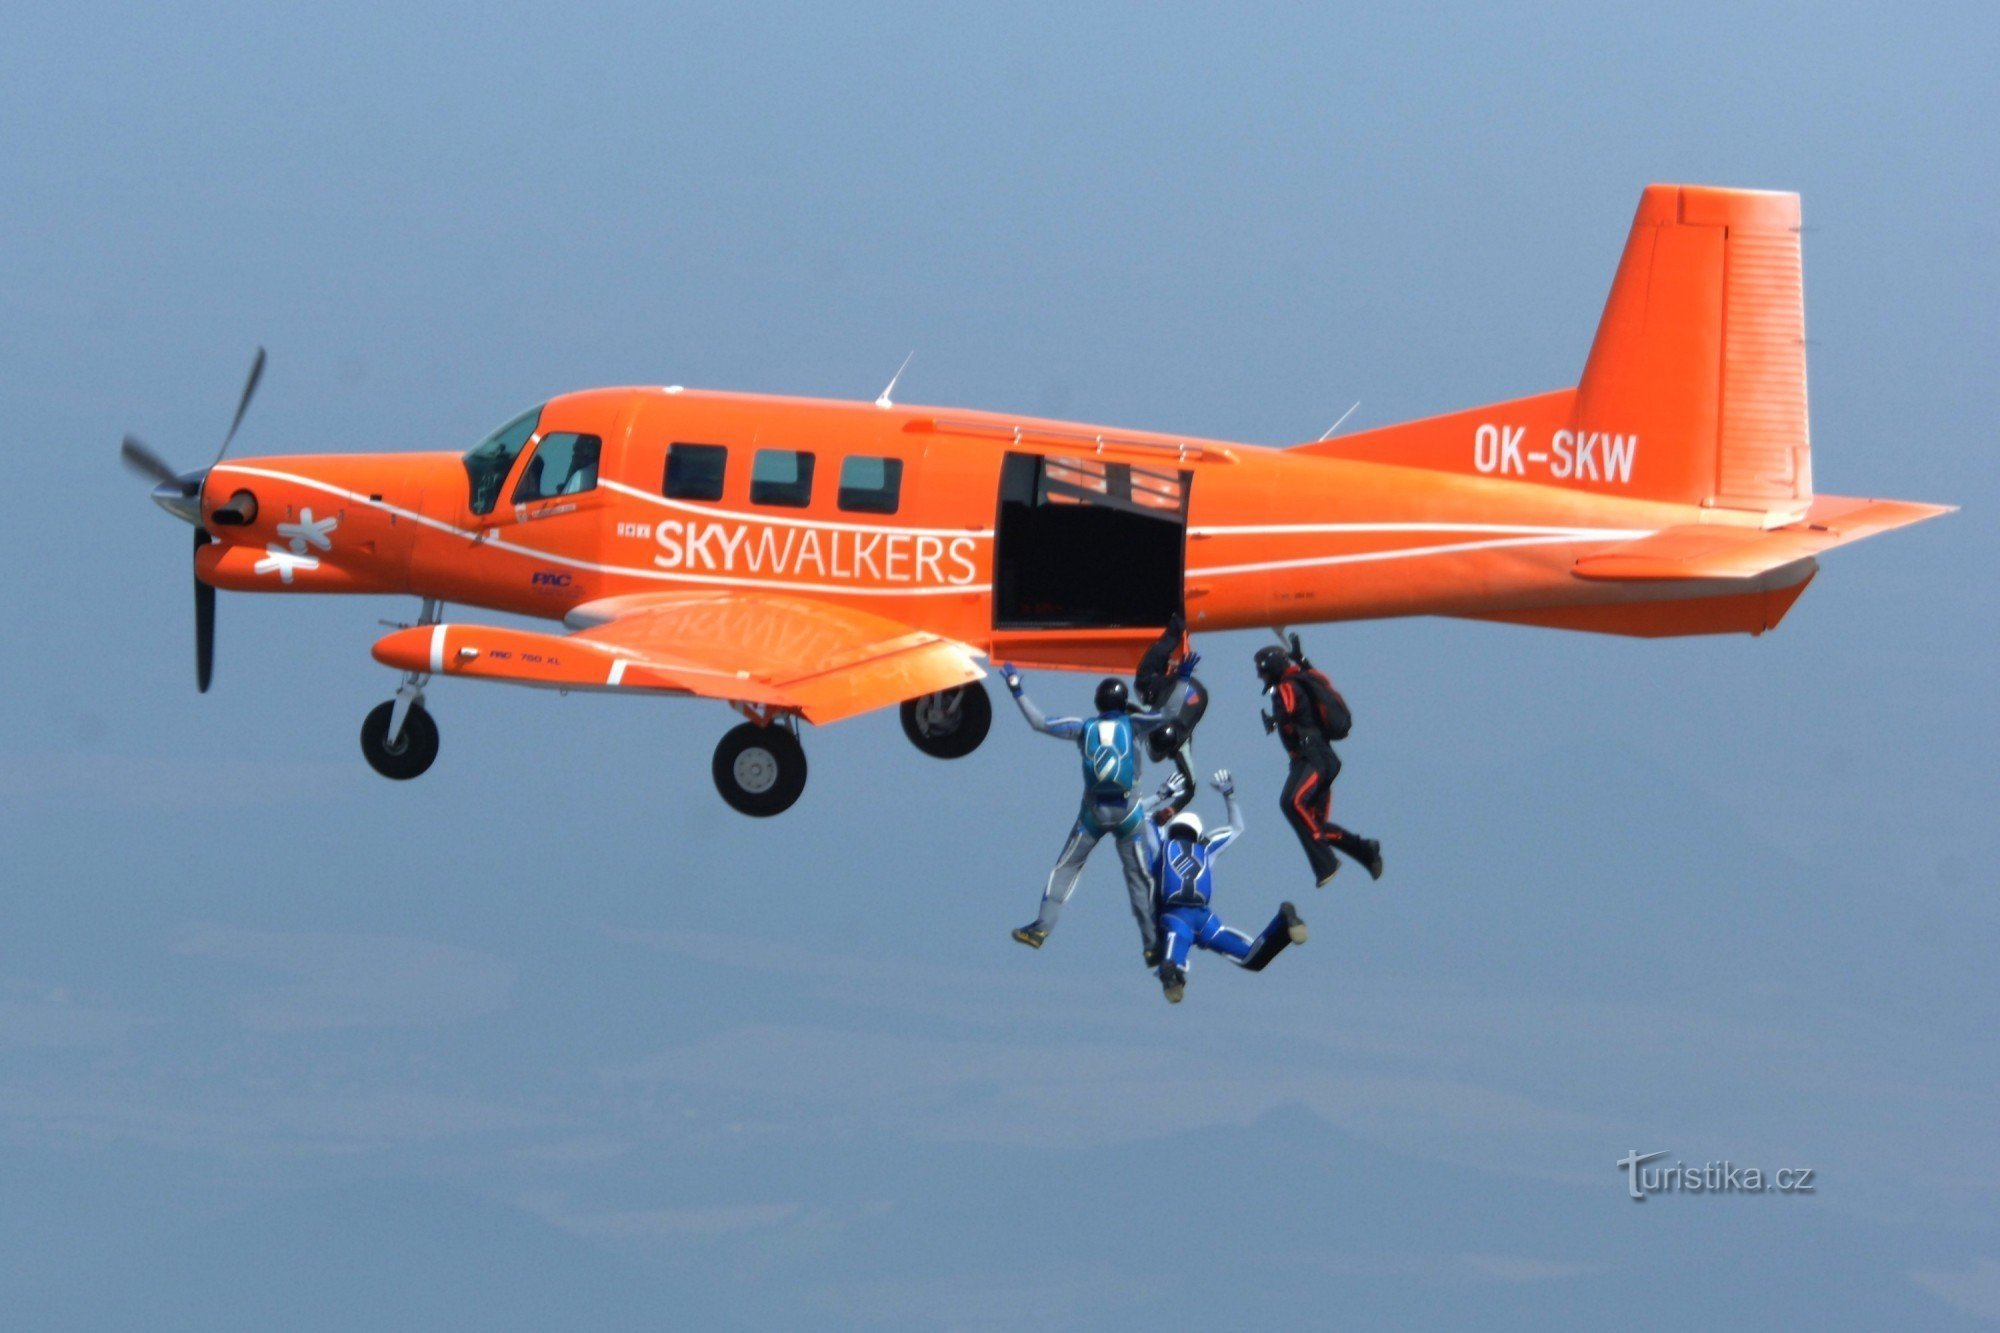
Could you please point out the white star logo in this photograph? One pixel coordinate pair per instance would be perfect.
(309, 531)
(302, 537)
(277, 560)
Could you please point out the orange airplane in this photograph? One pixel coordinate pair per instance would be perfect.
(812, 559)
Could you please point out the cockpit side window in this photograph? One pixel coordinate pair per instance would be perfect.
(488, 462)
(563, 464)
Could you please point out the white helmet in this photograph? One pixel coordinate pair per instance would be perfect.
(1186, 819)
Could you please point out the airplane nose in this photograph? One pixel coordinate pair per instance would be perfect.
(181, 497)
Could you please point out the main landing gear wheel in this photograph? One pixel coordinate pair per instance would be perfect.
(760, 770)
(951, 723)
(410, 753)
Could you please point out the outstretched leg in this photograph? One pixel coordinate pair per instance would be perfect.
(1285, 929)
(1138, 885)
(1225, 940)
(1062, 883)
(1180, 927)
(1365, 851)
(1304, 786)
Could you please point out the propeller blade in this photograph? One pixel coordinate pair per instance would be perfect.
(243, 403)
(204, 622)
(144, 461)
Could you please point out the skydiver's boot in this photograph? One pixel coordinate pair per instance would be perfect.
(1366, 851)
(1295, 929)
(1285, 929)
(1031, 935)
(1173, 983)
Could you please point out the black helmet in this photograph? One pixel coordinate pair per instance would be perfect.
(1163, 741)
(1111, 694)
(1271, 662)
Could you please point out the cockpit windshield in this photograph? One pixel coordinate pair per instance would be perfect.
(488, 462)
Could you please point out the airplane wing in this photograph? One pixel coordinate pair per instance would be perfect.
(819, 659)
(1699, 551)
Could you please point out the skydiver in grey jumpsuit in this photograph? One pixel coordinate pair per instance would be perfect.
(1111, 804)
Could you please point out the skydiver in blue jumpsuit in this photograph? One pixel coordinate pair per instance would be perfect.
(1111, 805)
(1183, 868)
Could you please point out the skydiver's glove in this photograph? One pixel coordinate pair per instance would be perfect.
(1298, 653)
(1270, 723)
(1186, 671)
(1225, 786)
(1172, 789)
(1012, 676)
(1176, 623)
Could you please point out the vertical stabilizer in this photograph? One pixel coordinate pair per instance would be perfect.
(1695, 388)
(1701, 350)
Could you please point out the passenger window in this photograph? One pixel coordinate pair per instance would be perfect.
(782, 477)
(563, 464)
(694, 471)
(871, 485)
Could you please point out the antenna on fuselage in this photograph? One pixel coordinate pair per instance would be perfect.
(883, 401)
(1343, 417)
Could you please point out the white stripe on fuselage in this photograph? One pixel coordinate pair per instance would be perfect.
(1400, 553)
(775, 520)
(485, 538)
(1535, 536)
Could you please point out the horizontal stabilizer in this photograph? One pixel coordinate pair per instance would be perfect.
(1706, 551)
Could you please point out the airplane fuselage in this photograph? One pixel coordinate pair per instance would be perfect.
(1049, 542)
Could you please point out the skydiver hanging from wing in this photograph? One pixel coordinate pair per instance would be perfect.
(1183, 866)
(1309, 715)
(1109, 746)
(1180, 698)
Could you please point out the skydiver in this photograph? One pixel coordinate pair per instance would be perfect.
(1161, 684)
(1184, 869)
(1309, 717)
(1108, 743)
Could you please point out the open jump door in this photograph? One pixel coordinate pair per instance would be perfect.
(1085, 543)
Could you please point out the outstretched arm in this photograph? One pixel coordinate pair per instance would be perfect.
(1172, 793)
(1063, 728)
(1232, 813)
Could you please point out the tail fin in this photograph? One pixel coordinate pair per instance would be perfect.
(1695, 388)
(1701, 351)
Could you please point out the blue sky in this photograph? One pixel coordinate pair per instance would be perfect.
(549, 1038)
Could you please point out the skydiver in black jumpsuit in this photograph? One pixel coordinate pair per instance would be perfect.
(1308, 795)
(1160, 685)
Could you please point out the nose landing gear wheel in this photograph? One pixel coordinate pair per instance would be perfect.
(951, 723)
(760, 770)
(410, 754)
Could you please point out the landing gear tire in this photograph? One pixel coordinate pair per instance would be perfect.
(410, 754)
(951, 723)
(760, 770)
